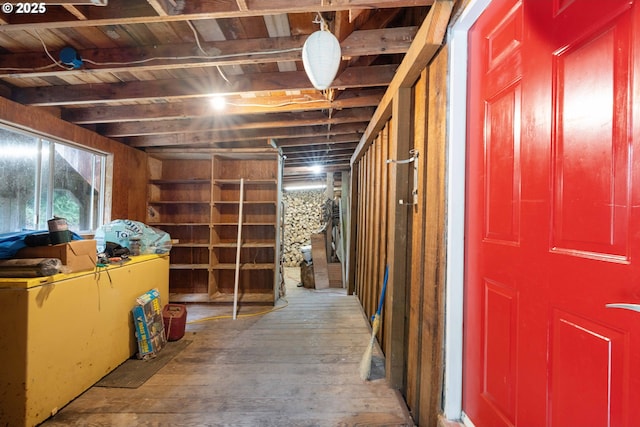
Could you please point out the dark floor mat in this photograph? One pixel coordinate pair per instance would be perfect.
(134, 372)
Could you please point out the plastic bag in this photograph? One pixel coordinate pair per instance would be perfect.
(152, 240)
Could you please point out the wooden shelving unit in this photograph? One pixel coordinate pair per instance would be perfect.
(259, 251)
(179, 199)
(197, 202)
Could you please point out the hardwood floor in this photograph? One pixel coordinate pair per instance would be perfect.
(295, 366)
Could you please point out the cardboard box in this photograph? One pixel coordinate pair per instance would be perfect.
(148, 323)
(77, 255)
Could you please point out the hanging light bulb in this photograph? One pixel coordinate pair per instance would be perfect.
(321, 57)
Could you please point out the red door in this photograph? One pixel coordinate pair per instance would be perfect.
(553, 215)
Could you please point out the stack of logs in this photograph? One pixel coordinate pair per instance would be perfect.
(303, 217)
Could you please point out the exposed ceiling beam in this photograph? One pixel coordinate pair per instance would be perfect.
(176, 152)
(305, 150)
(76, 11)
(379, 75)
(142, 12)
(190, 108)
(180, 56)
(343, 164)
(242, 5)
(319, 152)
(161, 7)
(301, 170)
(319, 158)
(264, 121)
(213, 137)
(309, 140)
(166, 7)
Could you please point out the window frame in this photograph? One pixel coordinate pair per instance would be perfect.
(105, 180)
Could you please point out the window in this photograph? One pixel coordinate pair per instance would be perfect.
(40, 179)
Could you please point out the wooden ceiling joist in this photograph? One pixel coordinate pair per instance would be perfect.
(265, 121)
(324, 148)
(193, 11)
(151, 68)
(327, 140)
(106, 93)
(298, 170)
(210, 137)
(221, 53)
(191, 108)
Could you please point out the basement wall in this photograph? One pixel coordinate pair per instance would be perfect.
(393, 228)
(126, 193)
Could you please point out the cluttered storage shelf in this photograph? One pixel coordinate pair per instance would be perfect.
(198, 202)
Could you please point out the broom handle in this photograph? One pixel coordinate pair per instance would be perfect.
(384, 290)
(239, 247)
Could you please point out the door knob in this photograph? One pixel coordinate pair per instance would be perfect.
(633, 307)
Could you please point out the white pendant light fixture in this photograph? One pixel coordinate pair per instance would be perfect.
(321, 56)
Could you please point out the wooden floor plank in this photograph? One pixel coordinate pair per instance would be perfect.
(295, 366)
(368, 419)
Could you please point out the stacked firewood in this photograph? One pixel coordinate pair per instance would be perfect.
(303, 217)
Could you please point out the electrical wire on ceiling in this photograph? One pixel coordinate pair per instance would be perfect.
(195, 34)
(58, 64)
(282, 104)
(329, 94)
(151, 59)
(46, 50)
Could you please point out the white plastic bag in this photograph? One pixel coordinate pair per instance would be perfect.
(152, 240)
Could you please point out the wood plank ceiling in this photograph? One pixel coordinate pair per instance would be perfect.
(150, 69)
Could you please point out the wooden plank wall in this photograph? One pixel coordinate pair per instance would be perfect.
(372, 212)
(129, 172)
(411, 239)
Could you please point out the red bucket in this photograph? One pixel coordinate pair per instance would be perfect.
(175, 321)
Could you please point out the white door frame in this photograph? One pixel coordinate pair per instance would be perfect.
(456, 172)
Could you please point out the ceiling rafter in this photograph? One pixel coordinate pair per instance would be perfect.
(181, 56)
(193, 11)
(213, 137)
(192, 108)
(106, 93)
(150, 69)
(214, 123)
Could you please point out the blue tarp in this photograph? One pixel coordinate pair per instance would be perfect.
(11, 243)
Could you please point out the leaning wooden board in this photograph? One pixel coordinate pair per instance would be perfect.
(319, 257)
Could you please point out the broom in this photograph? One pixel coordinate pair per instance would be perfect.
(365, 364)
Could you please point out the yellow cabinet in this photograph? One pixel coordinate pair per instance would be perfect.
(61, 334)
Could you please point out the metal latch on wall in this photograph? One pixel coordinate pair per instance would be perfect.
(413, 159)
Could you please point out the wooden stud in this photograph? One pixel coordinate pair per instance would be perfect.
(415, 297)
(370, 290)
(384, 210)
(361, 227)
(394, 327)
(345, 223)
(432, 330)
